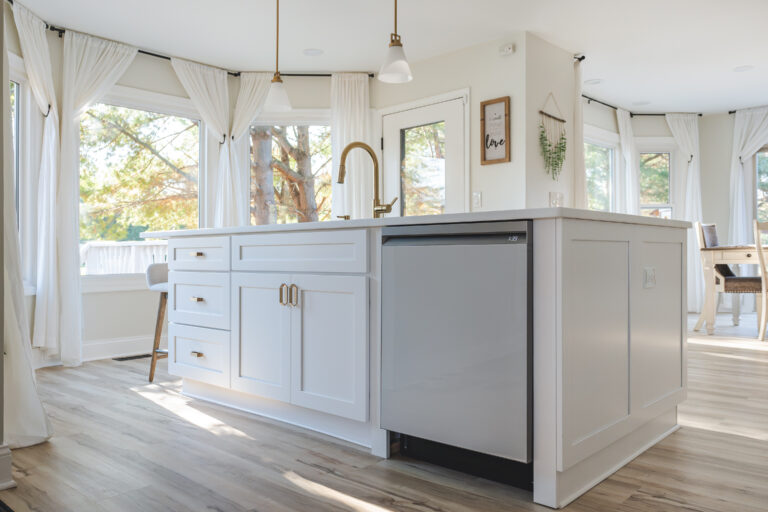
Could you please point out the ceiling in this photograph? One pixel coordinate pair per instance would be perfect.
(651, 55)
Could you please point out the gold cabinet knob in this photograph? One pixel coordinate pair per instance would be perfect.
(195, 353)
(197, 299)
(197, 254)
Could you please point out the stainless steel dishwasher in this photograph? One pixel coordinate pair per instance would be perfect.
(456, 335)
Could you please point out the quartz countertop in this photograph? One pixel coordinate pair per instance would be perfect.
(489, 216)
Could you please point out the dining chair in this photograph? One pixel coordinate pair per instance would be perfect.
(760, 228)
(726, 280)
(157, 281)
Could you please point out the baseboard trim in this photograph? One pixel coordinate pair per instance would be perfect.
(118, 347)
(6, 469)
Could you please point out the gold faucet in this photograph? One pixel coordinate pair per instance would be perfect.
(379, 208)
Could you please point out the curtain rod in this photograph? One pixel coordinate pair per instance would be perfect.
(61, 31)
(631, 114)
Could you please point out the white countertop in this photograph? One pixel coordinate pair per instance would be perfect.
(526, 214)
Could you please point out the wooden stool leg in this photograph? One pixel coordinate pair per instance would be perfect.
(158, 333)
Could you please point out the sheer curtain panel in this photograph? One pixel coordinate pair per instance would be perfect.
(628, 180)
(750, 133)
(350, 122)
(37, 62)
(685, 130)
(90, 67)
(25, 422)
(579, 165)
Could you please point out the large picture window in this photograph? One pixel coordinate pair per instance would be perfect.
(655, 190)
(598, 161)
(291, 173)
(15, 121)
(761, 166)
(138, 172)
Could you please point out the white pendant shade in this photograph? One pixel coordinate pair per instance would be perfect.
(395, 69)
(277, 98)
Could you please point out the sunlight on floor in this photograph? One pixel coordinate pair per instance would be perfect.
(332, 494)
(179, 406)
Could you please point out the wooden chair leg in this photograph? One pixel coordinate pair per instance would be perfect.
(158, 334)
(763, 315)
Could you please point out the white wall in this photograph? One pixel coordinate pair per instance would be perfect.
(716, 139)
(487, 75)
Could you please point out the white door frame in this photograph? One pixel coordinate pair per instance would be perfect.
(462, 94)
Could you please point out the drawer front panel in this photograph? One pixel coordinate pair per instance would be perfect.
(199, 298)
(318, 251)
(205, 253)
(199, 353)
(744, 256)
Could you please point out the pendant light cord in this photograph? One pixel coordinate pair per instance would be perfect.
(395, 16)
(277, 38)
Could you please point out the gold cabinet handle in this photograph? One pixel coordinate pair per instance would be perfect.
(197, 254)
(283, 295)
(195, 353)
(294, 295)
(197, 299)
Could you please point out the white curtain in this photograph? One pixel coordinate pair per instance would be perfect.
(250, 100)
(350, 122)
(628, 182)
(579, 166)
(750, 133)
(208, 89)
(37, 62)
(24, 422)
(685, 130)
(90, 67)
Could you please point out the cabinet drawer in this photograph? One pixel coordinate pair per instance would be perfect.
(317, 251)
(204, 253)
(736, 256)
(199, 298)
(198, 353)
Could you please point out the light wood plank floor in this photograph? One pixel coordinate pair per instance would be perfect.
(122, 444)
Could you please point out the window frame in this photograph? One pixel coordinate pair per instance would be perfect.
(295, 117)
(609, 140)
(661, 145)
(763, 149)
(139, 99)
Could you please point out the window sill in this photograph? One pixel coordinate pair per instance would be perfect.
(108, 283)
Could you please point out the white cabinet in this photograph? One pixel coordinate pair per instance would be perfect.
(329, 344)
(307, 345)
(261, 348)
(199, 353)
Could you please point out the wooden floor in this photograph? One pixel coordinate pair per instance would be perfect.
(122, 444)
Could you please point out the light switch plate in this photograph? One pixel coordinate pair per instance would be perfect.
(649, 277)
(477, 200)
(555, 199)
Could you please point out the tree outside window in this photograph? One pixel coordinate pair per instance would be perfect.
(598, 161)
(655, 196)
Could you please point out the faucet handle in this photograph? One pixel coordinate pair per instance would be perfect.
(389, 206)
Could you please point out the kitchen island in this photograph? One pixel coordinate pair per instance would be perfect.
(285, 321)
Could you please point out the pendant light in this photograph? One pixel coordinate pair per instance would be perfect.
(277, 97)
(395, 69)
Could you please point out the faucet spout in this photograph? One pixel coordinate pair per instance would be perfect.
(379, 208)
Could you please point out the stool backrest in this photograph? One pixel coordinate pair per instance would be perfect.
(157, 273)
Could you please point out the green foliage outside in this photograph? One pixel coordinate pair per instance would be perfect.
(654, 178)
(138, 172)
(762, 186)
(598, 165)
(291, 173)
(422, 176)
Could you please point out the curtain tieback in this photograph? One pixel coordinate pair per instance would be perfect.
(49, 111)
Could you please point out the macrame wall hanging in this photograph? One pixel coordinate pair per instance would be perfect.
(552, 137)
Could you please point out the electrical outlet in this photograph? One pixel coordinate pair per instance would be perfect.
(477, 200)
(555, 199)
(649, 277)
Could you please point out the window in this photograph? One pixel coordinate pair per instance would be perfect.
(761, 165)
(15, 120)
(599, 166)
(655, 194)
(291, 173)
(138, 172)
(422, 178)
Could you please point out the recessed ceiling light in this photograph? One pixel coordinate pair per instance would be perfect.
(742, 69)
(593, 81)
(641, 103)
(313, 52)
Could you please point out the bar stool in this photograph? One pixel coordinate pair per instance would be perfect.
(157, 281)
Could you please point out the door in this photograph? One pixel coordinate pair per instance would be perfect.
(424, 159)
(261, 352)
(329, 339)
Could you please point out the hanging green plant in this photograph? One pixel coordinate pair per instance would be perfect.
(553, 153)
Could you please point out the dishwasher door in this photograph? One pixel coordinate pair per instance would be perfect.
(456, 335)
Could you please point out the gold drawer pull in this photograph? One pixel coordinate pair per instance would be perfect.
(197, 299)
(197, 254)
(195, 353)
(294, 295)
(283, 299)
